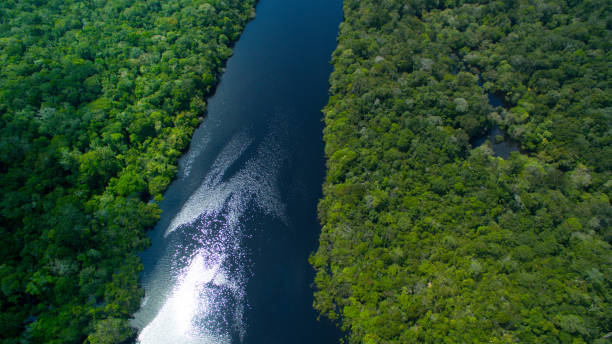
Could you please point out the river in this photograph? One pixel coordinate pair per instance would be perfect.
(228, 261)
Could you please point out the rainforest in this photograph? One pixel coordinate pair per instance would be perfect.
(97, 101)
(429, 239)
(462, 168)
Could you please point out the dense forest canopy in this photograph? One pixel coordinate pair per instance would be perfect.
(97, 100)
(428, 239)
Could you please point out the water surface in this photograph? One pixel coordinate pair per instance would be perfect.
(228, 263)
(501, 143)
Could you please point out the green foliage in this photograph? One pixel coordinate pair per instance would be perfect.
(428, 240)
(97, 100)
(111, 331)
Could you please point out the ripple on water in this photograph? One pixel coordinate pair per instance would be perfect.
(196, 148)
(190, 314)
(212, 193)
(208, 265)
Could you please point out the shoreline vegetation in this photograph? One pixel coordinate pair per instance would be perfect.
(97, 101)
(427, 239)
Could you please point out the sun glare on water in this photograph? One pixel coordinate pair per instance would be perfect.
(198, 293)
(192, 301)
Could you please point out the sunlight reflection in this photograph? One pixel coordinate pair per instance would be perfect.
(191, 301)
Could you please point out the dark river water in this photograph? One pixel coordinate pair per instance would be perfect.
(228, 263)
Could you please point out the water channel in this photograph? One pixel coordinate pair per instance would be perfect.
(228, 261)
